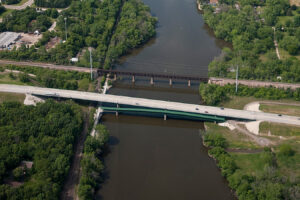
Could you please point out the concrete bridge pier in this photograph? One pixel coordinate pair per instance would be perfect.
(115, 77)
(117, 113)
(152, 81)
(133, 79)
(189, 83)
(170, 82)
(165, 117)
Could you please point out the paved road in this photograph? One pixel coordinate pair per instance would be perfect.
(193, 108)
(251, 83)
(46, 65)
(21, 7)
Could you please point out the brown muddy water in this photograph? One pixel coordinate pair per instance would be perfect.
(150, 158)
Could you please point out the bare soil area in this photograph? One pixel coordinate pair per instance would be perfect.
(52, 43)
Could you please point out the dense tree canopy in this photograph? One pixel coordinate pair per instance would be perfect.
(52, 3)
(110, 27)
(44, 135)
(27, 20)
(11, 1)
(252, 32)
(92, 166)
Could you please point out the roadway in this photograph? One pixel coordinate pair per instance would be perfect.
(150, 103)
(19, 7)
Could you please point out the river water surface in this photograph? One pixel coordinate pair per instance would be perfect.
(151, 158)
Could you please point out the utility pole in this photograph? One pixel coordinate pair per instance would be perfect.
(91, 63)
(66, 28)
(236, 78)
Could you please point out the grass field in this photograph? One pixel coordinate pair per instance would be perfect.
(279, 129)
(281, 109)
(284, 54)
(235, 139)
(253, 164)
(250, 164)
(239, 102)
(5, 79)
(11, 97)
(290, 165)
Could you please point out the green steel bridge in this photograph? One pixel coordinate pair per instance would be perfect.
(164, 113)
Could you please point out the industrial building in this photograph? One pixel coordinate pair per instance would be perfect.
(8, 38)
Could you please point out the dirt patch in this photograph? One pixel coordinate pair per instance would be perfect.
(27, 39)
(295, 2)
(53, 42)
(244, 150)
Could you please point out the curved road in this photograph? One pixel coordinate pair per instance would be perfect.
(150, 103)
(21, 7)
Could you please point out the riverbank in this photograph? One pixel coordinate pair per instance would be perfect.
(253, 162)
(248, 171)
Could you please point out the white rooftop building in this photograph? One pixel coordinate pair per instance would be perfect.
(8, 38)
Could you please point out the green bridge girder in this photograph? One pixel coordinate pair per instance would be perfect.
(167, 112)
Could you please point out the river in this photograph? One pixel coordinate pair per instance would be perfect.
(150, 158)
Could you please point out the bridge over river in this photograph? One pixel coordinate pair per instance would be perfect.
(152, 76)
(142, 105)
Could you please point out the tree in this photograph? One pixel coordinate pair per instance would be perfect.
(290, 43)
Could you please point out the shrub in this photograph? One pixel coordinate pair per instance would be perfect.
(286, 150)
(215, 140)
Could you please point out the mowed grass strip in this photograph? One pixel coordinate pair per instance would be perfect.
(4, 96)
(279, 129)
(237, 102)
(280, 109)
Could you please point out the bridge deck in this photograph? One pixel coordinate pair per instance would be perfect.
(153, 75)
(150, 103)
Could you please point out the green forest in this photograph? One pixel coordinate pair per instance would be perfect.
(110, 27)
(11, 1)
(52, 3)
(27, 20)
(91, 165)
(44, 135)
(251, 27)
(70, 80)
